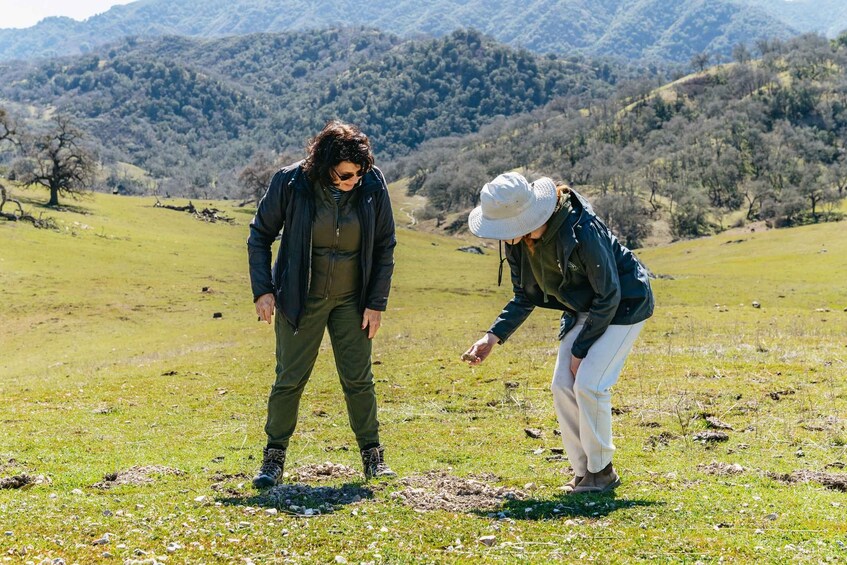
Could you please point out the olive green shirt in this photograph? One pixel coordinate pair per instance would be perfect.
(336, 240)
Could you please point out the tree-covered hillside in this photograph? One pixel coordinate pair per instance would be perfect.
(664, 29)
(196, 111)
(758, 139)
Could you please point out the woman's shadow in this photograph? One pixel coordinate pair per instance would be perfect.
(565, 506)
(303, 499)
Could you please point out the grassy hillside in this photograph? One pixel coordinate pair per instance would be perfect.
(194, 112)
(111, 359)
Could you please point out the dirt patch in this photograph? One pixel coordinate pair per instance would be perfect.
(439, 490)
(305, 500)
(324, 472)
(836, 481)
(23, 481)
(138, 475)
(717, 468)
(663, 438)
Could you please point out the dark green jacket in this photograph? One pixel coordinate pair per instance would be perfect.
(289, 206)
(600, 277)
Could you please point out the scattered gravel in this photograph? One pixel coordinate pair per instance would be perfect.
(138, 475)
(324, 471)
(438, 490)
(717, 468)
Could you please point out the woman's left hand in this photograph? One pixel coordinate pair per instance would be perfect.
(371, 320)
(575, 361)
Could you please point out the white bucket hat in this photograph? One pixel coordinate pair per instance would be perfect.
(511, 207)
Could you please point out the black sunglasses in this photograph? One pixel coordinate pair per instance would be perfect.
(347, 176)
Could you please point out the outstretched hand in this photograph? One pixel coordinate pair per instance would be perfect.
(480, 350)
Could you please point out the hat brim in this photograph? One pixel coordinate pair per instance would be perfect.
(535, 216)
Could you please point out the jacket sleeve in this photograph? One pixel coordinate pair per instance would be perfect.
(517, 310)
(385, 240)
(264, 228)
(595, 251)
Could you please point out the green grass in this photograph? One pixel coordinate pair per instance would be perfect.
(111, 358)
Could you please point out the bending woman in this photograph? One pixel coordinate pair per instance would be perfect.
(562, 256)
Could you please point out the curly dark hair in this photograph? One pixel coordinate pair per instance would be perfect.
(337, 142)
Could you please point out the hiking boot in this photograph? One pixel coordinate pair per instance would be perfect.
(572, 484)
(273, 461)
(604, 481)
(374, 463)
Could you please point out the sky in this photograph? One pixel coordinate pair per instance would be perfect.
(26, 13)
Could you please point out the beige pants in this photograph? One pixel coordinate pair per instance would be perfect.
(583, 402)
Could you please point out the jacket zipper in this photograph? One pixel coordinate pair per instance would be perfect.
(333, 250)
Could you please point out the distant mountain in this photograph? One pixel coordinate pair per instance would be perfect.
(634, 29)
(828, 17)
(199, 108)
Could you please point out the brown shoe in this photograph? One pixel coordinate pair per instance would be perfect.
(572, 484)
(604, 481)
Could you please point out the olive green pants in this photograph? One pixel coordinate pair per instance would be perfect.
(295, 358)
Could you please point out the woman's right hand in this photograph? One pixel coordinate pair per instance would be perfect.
(265, 307)
(480, 350)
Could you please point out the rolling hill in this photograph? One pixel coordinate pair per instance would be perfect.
(197, 109)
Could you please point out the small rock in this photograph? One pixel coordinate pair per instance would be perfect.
(340, 559)
(76, 491)
(173, 546)
(106, 555)
(772, 516)
(756, 304)
(714, 423)
(472, 249)
(8, 533)
(534, 433)
(271, 511)
(488, 540)
(217, 315)
(707, 437)
(800, 453)
(201, 498)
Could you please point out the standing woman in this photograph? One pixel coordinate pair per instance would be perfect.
(562, 256)
(333, 271)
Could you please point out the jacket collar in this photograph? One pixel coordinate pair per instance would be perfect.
(569, 232)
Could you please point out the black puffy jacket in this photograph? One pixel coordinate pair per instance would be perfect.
(289, 206)
(602, 277)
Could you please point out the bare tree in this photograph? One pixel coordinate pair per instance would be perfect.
(741, 54)
(255, 177)
(700, 61)
(58, 161)
(7, 127)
